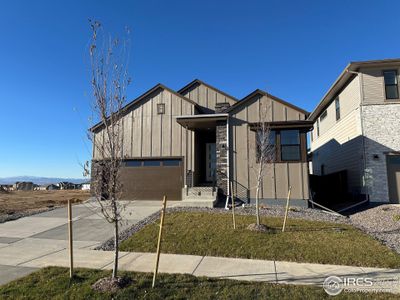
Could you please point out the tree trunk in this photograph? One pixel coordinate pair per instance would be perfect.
(257, 204)
(116, 246)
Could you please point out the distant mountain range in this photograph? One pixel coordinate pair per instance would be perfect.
(40, 180)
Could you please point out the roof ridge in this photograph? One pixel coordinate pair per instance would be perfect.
(196, 80)
(264, 93)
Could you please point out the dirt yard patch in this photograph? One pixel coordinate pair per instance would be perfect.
(16, 204)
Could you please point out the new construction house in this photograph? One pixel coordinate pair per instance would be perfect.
(195, 143)
(356, 131)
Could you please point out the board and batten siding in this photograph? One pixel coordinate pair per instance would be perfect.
(148, 134)
(243, 157)
(374, 85)
(206, 96)
(339, 144)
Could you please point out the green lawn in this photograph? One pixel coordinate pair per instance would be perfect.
(53, 283)
(304, 241)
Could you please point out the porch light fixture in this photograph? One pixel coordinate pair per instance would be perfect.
(161, 108)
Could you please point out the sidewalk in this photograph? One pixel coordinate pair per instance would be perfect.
(219, 267)
(30, 243)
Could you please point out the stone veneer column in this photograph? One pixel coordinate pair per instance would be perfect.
(222, 151)
(222, 158)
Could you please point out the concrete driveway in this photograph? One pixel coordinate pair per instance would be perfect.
(31, 238)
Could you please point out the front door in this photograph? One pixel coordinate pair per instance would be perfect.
(393, 173)
(211, 159)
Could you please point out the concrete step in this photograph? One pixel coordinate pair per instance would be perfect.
(198, 203)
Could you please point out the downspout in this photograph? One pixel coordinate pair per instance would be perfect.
(362, 129)
(227, 158)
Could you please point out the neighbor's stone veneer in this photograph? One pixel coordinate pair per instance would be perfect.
(382, 135)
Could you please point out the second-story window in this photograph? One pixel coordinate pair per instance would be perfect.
(323, 115)
(391, 84)
(317, 127)
(337, 109)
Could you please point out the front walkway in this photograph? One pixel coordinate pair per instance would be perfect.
(30, 238)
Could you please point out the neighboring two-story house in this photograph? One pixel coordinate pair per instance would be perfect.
(183, 144)
(356, 128)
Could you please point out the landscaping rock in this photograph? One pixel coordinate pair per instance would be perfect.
(260, 228)
(381, 223)
(110, 284)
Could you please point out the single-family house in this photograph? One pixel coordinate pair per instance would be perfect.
(52, 187)
(23, 186)
(189, 143)
(356, 130)
(85, 186)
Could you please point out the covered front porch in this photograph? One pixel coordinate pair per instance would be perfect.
(203, 180)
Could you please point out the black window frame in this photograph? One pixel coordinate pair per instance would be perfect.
(287, 145)
(337, 108)
(278, 146)
(391, 85)
(317, 127)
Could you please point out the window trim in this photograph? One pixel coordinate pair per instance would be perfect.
(384, 85)
(160, 108)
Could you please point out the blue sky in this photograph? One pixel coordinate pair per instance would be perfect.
(293, 49)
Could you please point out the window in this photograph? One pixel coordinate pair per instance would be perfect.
(337, 109)
(323, 115)
(171, 162)
(290, 145)
(161, 108)
(151, 163)
(317, 127)
(391, 86)
(269, 148)
(133, 163)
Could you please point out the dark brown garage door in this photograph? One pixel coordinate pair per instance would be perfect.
(150, 179)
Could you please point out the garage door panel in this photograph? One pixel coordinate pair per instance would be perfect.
(152, 182)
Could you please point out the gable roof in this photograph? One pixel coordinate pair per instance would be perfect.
(348, 74)
(199, 82)
(263, 93)
(143, 97)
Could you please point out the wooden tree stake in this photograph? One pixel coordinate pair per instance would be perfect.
(71, 257)
(287, 209)
(159, 241)
(233, 207)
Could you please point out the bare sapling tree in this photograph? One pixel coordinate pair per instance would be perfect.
(109, 80)
(265, 151)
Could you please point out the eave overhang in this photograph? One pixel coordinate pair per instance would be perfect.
(300, 124)
(203, 121)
